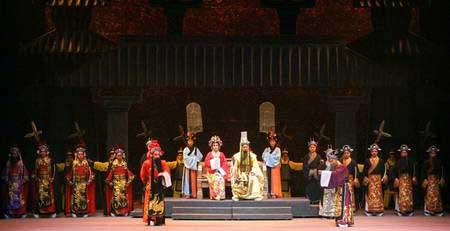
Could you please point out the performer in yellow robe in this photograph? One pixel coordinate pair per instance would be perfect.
(247, 179)
(287, 166)
(176, 170)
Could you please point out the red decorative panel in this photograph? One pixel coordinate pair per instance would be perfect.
(134, 17)
(229, 17)
(337, 18)
(231, 20)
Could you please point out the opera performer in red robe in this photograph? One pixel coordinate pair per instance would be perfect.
(155, 174)
(120, 201)
(80, 191)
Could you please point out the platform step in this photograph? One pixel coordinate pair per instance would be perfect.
(201, 216)
(201, 210)
(278, 216)
(262, 210)
(300, 207)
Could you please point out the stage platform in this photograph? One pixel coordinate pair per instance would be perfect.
(203, 209)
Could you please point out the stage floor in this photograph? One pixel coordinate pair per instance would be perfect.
(389, 222)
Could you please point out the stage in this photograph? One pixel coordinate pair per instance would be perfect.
(204, 209)
(388, 222)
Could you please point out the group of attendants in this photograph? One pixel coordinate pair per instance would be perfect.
(399, 177)
(329, 182)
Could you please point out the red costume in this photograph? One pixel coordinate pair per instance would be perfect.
(42, 184)
(119, 201)
(216, 177)
(80, 191)
(150, 172)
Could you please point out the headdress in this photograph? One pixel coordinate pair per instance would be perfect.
(404, 147)
(346, 148)
(244, 139)
(374, 147)
(312, 142)
(215, 139)
(433, 148)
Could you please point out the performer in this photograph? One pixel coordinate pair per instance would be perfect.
(390, 192)
(339, 179)
(311, 163)
(404, 175)
(155, 176)
(176, 170)
(327, 206)
(105, 168)
(286, 167)
(247, 179)
(218, 171)
(42, 183)
(15, 175)
(271, 157)
(374, 177)
(62, 169)
(120, 201)
(191, 157)
(80, 192)
(432, 181)
(352, 168)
